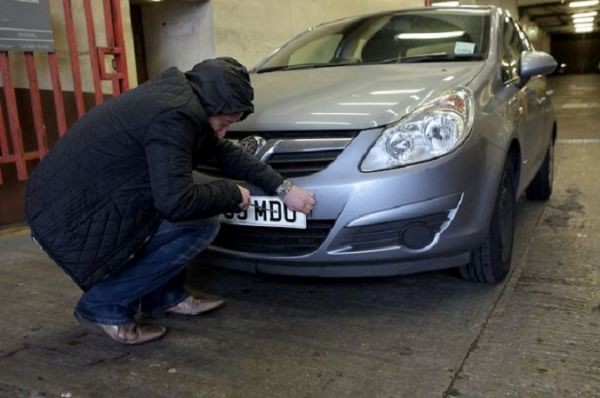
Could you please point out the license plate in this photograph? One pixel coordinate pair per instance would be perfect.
(266, 211)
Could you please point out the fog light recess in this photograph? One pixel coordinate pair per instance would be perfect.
(416, 236)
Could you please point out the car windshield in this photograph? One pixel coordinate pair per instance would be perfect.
(431, 35)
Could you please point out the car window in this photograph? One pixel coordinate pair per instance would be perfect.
(318, 50)
(387, 37)
(512, 46)
(421, 34)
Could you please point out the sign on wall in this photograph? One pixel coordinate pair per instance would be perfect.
(25, 26)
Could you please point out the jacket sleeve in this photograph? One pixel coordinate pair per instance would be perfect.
(168, 146)
(236, 163)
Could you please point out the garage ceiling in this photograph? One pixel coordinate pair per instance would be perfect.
(558, 16)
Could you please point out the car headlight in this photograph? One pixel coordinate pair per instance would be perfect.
(428, 132)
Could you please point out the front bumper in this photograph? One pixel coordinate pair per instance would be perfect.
(420, 217)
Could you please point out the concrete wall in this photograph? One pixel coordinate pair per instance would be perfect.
(543, 43)
(249, 30)
(177, 34)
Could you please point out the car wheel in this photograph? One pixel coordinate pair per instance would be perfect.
(540, 187)
(491, 261)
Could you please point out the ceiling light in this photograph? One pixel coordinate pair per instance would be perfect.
(367, 103)
(586, 3)
(436, 35)
(583, 30)
(446, 4)
(393, 92)
(583, 25)
(585, 14)
(584, 19)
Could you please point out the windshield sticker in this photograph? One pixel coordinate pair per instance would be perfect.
(463, 47)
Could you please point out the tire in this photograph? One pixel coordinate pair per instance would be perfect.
(540, 187)
(490, 262)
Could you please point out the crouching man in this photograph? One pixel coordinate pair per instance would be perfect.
(114, 203)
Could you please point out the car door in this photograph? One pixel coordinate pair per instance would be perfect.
(521, 108)
(535, 96)
(543, 100)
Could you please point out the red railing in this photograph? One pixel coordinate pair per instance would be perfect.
(12, 148)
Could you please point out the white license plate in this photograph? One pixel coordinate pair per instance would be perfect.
(266, 211)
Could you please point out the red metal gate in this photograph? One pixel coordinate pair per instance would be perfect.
(12, 148)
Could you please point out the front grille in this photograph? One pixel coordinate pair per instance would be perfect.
(302, 164)
(267, 240)
(304, 159)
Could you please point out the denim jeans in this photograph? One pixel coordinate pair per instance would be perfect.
(153, 281)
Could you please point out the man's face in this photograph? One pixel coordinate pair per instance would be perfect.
(220, 123)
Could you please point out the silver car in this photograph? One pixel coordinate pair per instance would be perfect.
(416, 129)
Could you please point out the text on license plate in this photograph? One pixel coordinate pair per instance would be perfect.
(266, 211)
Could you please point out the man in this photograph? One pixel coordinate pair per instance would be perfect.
(114, 203)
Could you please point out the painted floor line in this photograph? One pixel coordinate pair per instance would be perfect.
(579, 141)
(581, 105)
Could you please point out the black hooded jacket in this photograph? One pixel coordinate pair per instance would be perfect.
(104, 188)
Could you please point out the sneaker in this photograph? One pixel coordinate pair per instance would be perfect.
(133, 333)
(195, 306)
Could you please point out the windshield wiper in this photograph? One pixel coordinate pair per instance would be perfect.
(290, 67)
(304, 66)
(411, 59)
(433, 57)
(440, 57)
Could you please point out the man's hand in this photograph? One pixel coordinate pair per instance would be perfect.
(300, 199)
(245, 198)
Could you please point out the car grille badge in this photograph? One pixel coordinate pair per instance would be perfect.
(253, 144)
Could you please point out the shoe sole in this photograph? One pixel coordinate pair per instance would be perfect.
(169, 313)
(98, 329)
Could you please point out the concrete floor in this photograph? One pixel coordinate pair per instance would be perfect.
(426, 335)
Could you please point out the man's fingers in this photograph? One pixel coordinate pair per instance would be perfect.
(300, 199)
(309, 204)
(245, 198)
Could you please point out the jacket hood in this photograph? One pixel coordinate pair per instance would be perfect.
(222, 86)
(350, 97)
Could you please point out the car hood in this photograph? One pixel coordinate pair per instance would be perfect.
(349, 97)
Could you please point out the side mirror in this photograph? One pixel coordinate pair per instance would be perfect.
(536, 63)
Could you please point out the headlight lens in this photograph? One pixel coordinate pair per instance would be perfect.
(428, 132)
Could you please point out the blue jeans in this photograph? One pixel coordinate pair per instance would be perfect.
(153, 281)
